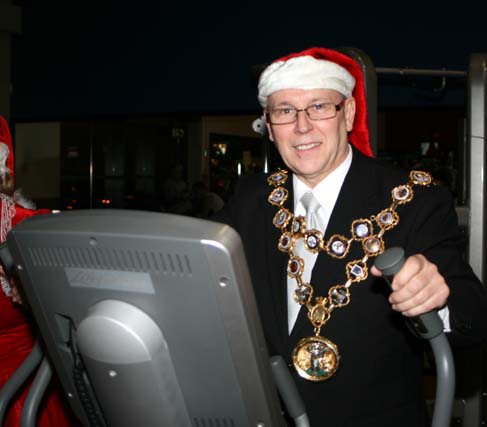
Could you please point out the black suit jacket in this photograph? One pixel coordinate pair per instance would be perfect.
(379, 380)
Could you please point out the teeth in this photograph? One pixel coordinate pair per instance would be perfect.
(306, 146)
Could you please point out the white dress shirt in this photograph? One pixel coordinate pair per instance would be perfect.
(326, 192)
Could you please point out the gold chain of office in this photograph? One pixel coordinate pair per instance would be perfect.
(316, 358)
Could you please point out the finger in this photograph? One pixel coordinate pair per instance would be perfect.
(414, 293)
(435, 302)
(413, 268)
(413, 288)
(432, 296)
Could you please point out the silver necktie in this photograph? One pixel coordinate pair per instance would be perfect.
(313, 221)
(311, 204)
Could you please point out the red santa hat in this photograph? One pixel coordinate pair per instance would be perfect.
(321, 68)
(6, 150)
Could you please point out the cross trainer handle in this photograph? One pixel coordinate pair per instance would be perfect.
(430, 327)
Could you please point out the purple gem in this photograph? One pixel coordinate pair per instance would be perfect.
(277, 195)
(421, 176)
(338, 247)
(280, 217)
(386, 218)
(373, 245)
(362, 230)
(401, 193)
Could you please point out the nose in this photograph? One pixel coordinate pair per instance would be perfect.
(303, 122)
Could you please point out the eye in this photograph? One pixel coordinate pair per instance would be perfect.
(284, 111)
(322, 106)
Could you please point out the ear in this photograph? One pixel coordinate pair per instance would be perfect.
(269, 127)
(349, 113)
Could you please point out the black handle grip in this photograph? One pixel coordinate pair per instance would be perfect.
(427, 325)
(6, 260)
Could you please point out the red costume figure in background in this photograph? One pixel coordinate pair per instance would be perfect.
(16, 337)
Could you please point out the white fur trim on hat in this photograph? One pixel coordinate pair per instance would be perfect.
(304, 72)
(4, 152)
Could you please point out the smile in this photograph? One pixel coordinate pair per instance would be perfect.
(303, 147)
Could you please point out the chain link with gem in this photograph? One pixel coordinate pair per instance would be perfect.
(338, 246)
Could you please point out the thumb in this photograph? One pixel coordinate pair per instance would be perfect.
(375, 271)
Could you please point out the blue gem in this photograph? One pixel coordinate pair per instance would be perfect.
(357, 270)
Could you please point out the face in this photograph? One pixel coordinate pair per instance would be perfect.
(312, 149)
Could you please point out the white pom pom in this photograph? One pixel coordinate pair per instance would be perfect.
(258, 126)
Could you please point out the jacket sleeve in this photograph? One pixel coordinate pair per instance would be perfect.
(435, 234)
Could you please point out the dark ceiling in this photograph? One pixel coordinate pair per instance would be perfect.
(96, 58)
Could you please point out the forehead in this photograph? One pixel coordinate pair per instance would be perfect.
(294, 96)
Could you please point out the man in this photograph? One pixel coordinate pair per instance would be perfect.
(311, 237)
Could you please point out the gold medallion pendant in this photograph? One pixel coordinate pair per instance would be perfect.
(316, 358)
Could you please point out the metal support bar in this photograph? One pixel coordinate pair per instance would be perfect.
(476, 136)
(91, 165)
(421, 72)
(33, 400)
(18, 378)
(476, 174)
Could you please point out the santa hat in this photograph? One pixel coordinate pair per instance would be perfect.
(321, 68)
(6, 150)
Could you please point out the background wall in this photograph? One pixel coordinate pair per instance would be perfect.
(37, 162)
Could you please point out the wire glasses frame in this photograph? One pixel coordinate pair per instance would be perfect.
(318, 111)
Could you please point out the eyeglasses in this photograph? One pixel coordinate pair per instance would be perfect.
(319, 111)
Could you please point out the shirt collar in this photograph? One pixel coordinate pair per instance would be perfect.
(326, 192)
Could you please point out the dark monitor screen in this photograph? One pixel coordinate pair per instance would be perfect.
(148, 319)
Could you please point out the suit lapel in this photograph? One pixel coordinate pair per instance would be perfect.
(358, 190)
